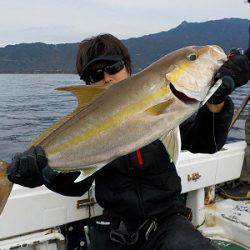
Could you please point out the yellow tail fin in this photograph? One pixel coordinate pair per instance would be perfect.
(5, 185)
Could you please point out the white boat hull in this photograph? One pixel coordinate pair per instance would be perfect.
(30, 210)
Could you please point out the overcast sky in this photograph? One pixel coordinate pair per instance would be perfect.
(63, 21)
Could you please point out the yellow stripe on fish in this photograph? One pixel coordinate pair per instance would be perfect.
(116, 119)
(174, 75)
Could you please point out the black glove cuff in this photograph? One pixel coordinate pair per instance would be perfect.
(217, 99)
(49, 175)
(238, 67)
(225, 89)
(41, 158)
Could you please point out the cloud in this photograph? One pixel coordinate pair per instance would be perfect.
(58, 21)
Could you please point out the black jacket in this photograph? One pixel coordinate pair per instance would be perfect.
(145, 183)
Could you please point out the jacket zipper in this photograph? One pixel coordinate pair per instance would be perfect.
(135, 178)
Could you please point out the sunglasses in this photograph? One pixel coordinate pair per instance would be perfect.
(98, 75)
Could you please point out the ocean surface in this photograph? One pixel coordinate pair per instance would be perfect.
(29, 104)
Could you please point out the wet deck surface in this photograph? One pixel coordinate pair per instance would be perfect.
(220, 244)
(229, 220)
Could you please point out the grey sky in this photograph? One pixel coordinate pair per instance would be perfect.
(61, 21)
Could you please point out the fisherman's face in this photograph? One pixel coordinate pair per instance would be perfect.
(117, 75)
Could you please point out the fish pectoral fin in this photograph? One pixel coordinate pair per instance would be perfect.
(159, 108)
(172, 143)
(85, 94)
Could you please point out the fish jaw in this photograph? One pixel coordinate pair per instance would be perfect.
(182, 96)
(191, 80)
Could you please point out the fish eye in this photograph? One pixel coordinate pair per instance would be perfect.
(192, 57)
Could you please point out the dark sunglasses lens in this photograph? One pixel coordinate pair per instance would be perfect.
(114, 68)
(96, 76)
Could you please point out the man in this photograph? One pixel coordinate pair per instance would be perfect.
(139, 191)
(245, 175)
(240, 189)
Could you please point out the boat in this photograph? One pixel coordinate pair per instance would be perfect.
(41, 219)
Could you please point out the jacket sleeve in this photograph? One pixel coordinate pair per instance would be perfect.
(64, 184)
(207, 132)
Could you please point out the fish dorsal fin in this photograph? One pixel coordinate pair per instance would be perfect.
(84, 94)
(172, 143)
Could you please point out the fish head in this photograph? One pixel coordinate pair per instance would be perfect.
(190, 75)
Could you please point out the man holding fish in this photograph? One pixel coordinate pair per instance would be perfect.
(131, 137)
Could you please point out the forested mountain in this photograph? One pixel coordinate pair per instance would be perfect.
(60, 58)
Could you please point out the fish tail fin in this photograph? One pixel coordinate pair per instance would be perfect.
(5, 185)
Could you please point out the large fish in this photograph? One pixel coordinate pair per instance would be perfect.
(111, 121)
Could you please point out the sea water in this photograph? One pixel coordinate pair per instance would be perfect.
(29, 104)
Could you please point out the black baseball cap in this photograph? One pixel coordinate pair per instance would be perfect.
(108, 58)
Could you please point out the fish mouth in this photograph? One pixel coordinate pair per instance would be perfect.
(181, 96)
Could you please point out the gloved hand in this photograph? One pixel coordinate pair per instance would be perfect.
(235, 72)
(26, 168)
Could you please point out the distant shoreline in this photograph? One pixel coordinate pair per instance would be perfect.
(41, 58)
